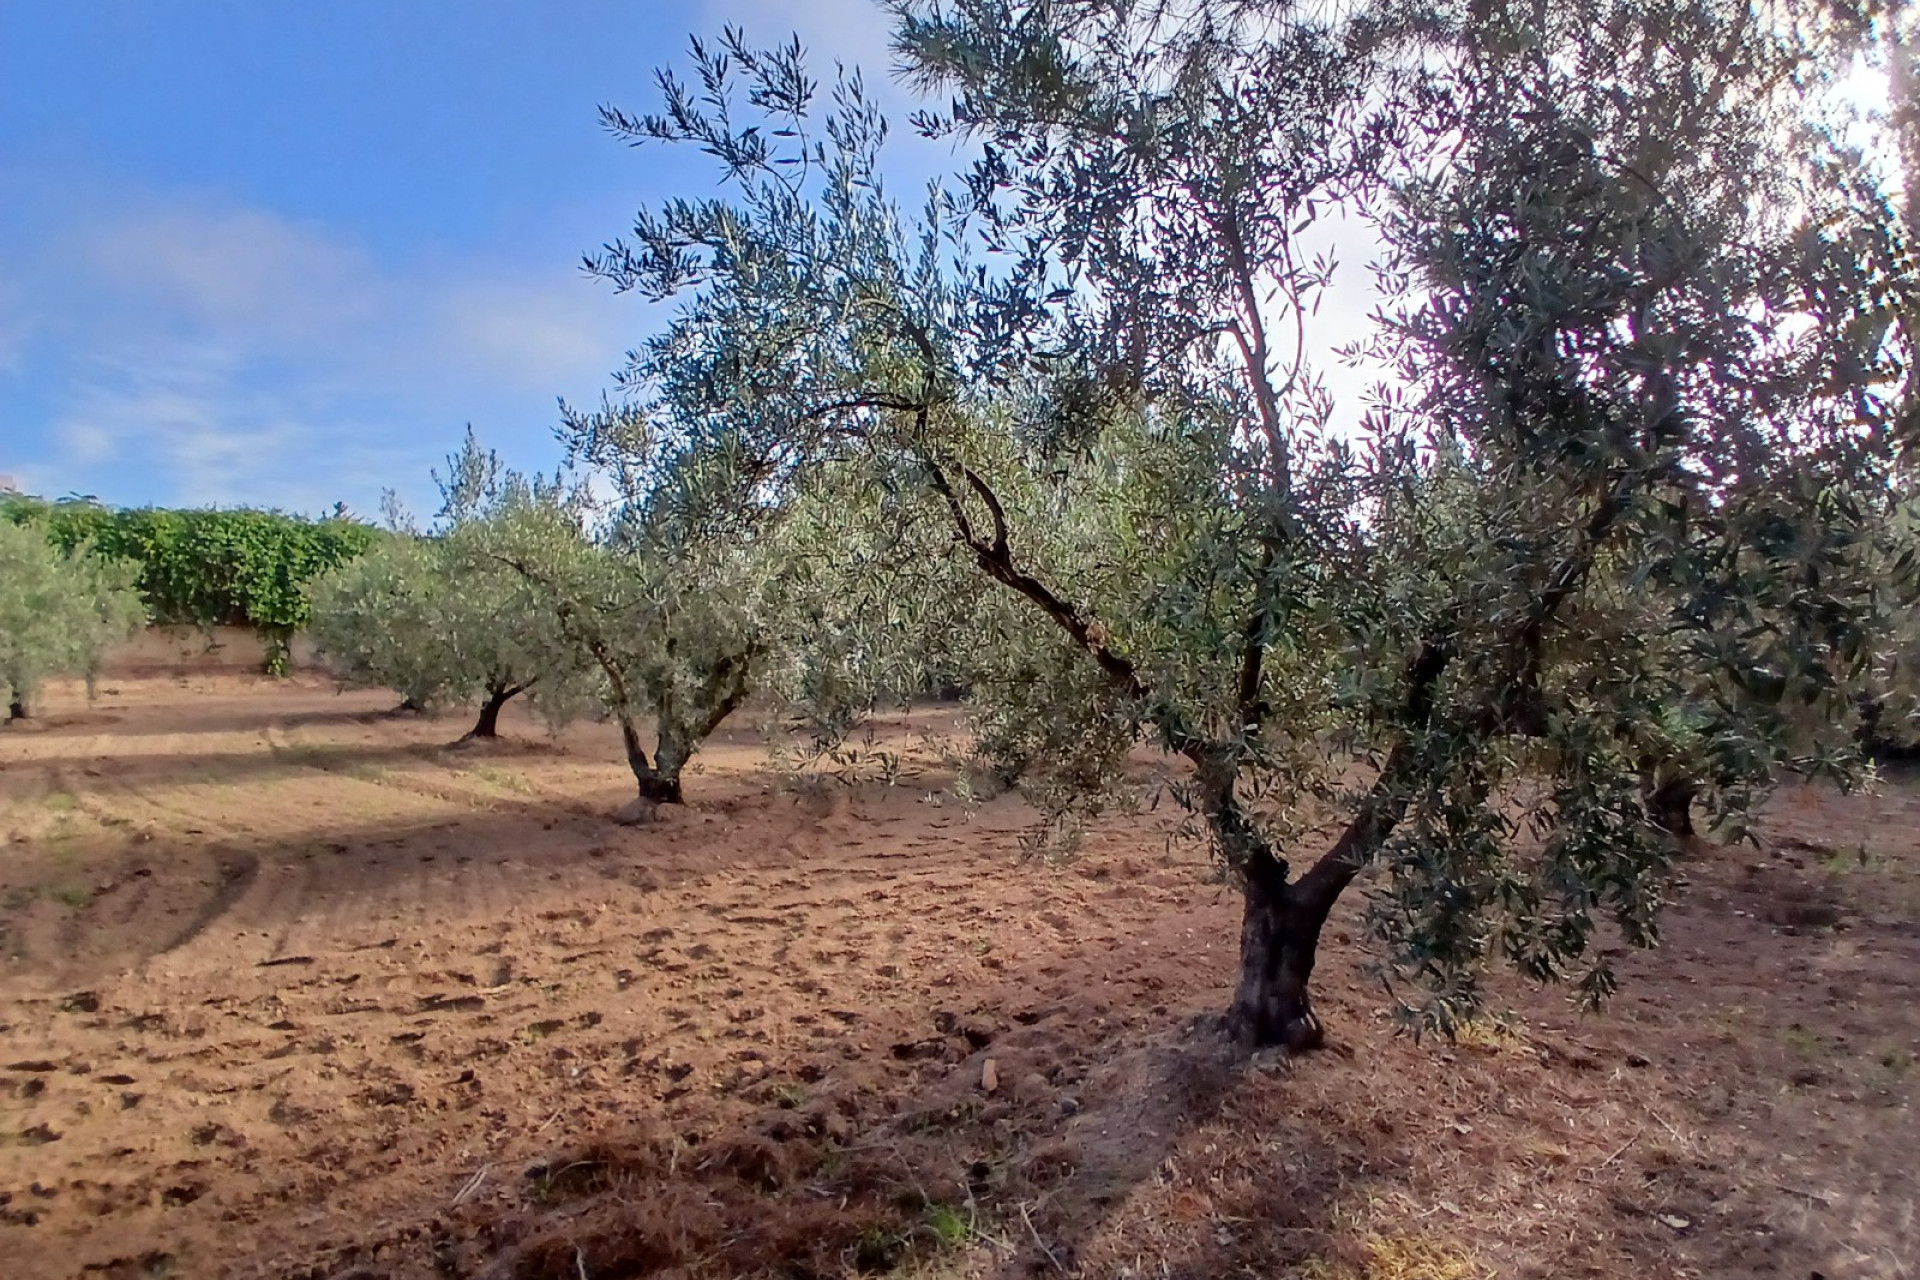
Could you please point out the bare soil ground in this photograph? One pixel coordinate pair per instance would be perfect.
(290, 989)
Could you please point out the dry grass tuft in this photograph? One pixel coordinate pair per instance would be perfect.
(1399, 1257)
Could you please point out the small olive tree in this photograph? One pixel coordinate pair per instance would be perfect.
(671, 636)
(59, 612)
(440, 618)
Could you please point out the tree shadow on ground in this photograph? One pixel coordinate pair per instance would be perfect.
(814, 1115)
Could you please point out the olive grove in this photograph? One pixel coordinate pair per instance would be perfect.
(1607, 545)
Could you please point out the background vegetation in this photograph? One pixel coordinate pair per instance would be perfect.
(206, 567)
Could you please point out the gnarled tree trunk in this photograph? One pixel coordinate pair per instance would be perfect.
(488, 725)
(1281, 924)
(1670, 806)
(1279, 936)
(658, 778)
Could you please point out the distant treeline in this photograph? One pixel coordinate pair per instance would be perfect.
(207, 567)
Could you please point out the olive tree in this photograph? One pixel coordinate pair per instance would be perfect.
(59, 612)
(1638, 299)
(439, 618)
(667, 624)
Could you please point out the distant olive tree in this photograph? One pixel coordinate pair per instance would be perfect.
(59, 612)
(440, 618)
(671, 636)
(708, 585)
(1642, 300)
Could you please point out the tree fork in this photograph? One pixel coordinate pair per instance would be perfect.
(488, 725)
(1279, 939)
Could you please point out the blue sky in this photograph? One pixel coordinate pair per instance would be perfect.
(282, 253)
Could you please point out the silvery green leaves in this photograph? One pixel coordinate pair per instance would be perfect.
(442, 617)
(60, 609)
(1631, 315)
(1603, 546)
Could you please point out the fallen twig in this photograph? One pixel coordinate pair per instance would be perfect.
(1621, 1150)
(473, 1185)
(1035, 1233)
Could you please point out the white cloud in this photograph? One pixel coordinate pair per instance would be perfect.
(232, 267)
(853, 32)
(235, 356)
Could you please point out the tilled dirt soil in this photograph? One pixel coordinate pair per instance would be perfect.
(291, 988)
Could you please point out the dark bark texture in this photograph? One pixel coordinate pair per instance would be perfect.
(1670, 807)
(657, 778)
(488, 725)
(1279, 937)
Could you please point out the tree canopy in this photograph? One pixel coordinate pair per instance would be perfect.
(1608, 538)
(441, 618)
(59, 612)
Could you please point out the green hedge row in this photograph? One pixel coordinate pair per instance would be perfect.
(208, 567)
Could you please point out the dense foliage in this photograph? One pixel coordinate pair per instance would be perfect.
(672, 633)
(1609, 540)
(59, 611)
(207, 567)
(517, 589)
(442, 618)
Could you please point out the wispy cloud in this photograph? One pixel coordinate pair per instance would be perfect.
(227, 354)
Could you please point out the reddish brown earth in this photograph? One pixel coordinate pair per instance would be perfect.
(291, 989)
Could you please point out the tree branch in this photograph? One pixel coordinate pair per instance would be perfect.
(996, 558)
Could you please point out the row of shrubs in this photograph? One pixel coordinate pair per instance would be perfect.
(207, 567)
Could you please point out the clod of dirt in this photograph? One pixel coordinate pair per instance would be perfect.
(755, 1161)
(636, 813)
(154, 1263)
(1032, 1087)
(389, 1095)
(81, 1002)
(212, 1133)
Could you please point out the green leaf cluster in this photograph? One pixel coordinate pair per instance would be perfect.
(444, 617)
(59, 611)
(207, 567)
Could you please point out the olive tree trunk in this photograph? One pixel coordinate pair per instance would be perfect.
(1670, 807)
(658, 777)
(488, 725)
(1280, 928)
(1279, 938)
(681, 730)
(1282, 921)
